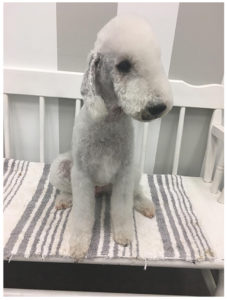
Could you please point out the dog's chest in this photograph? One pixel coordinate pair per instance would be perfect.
(102, 158)
(102, 148)
(104, 169)
(103, 151)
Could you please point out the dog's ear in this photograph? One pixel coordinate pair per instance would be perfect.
(88, 88)
(93, 101)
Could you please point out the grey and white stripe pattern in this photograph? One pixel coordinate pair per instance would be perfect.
(13, 182)
(34, 228)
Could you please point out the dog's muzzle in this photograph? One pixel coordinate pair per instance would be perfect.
(152, 111)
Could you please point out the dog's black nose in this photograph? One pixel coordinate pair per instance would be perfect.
(156, 109)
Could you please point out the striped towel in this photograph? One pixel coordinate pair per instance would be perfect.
(33, 228)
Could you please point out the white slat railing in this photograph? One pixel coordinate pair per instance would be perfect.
(61, 84)
(78, 107)
(178, 140)
(6, 126)
(7, 146)
(41, 83)
(42, 129)
(217, 131)
(211, 151)
(144, 147)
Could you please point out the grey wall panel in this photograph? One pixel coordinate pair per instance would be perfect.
(194, 141)
(66, 122)
(167, 138)
(77, 27)
(198, 49)
(193, 145)
(197, 57)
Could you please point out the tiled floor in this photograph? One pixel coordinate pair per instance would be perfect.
(104, 278)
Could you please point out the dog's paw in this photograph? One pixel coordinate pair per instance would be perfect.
(77, 252)
(78, 247)
(123, 236)
(63, 201)
(144, 206)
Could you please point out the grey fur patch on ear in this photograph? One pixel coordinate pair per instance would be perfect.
(93, 101)
(88, 83)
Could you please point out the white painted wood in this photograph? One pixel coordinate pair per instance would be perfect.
(24, 127)
(152, 145)
(218, 131)
(56, 293)
(42, 128)
(77, 107)
(211, 149)
(51, 83)
(6, 126)
(52, 138)
(144, 147)
(201, 96)
(217, 265)
(219, 173)
(42, 82)
(178, 140)
(210, 159)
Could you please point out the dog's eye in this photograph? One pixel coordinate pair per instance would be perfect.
(124, 66)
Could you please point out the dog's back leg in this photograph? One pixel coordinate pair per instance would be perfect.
(142, 203)
(60, 178)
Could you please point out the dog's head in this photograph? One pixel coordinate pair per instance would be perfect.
(125, 72)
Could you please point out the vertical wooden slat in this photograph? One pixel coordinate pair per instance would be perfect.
(178, 140)
(211, 149)
(218, 175)
(144, 147)
(6, 126)
(152, 144)
(42, 128)
(77, 107)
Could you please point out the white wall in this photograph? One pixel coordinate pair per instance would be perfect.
(30, 41)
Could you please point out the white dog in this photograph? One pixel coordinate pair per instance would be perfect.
(124, 79)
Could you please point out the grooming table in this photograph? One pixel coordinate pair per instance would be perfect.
(184, 232)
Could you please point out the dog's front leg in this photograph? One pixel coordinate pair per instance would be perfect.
(82, 214)
(122, 208)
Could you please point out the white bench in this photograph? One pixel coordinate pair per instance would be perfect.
(206, 198)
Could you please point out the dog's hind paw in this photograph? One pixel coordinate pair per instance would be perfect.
(144, 206)
(122, 240)
(78, 247)
(77, 253)
(123, 236)
(63, 201)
